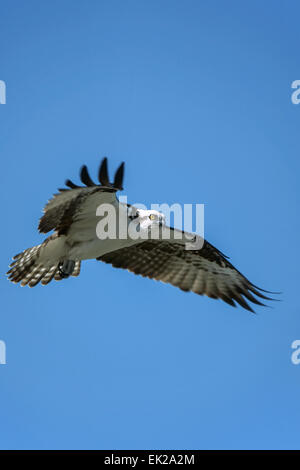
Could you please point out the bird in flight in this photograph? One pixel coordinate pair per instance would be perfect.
(72, 216)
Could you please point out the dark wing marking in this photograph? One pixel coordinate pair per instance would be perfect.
(59, 211)
(119, 175)
(205, 271)
(85, 177)
(103, 173)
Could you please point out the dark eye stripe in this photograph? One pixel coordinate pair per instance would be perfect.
(133, 216)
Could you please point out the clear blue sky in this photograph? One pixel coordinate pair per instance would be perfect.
(196, 98)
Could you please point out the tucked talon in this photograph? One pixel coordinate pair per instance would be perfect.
(66, 268)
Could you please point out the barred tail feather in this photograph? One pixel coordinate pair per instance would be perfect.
(23, 264)
(27, 269)
(76, 271)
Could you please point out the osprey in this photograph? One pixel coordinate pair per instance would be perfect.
(72, 215)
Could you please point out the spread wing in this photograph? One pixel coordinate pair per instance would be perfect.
(206, 271)
(80, 202)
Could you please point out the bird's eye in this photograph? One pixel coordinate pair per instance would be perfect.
(151, 216)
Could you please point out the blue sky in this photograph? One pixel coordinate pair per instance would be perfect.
(196, 98)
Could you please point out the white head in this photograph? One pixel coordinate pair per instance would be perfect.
(147, 218)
